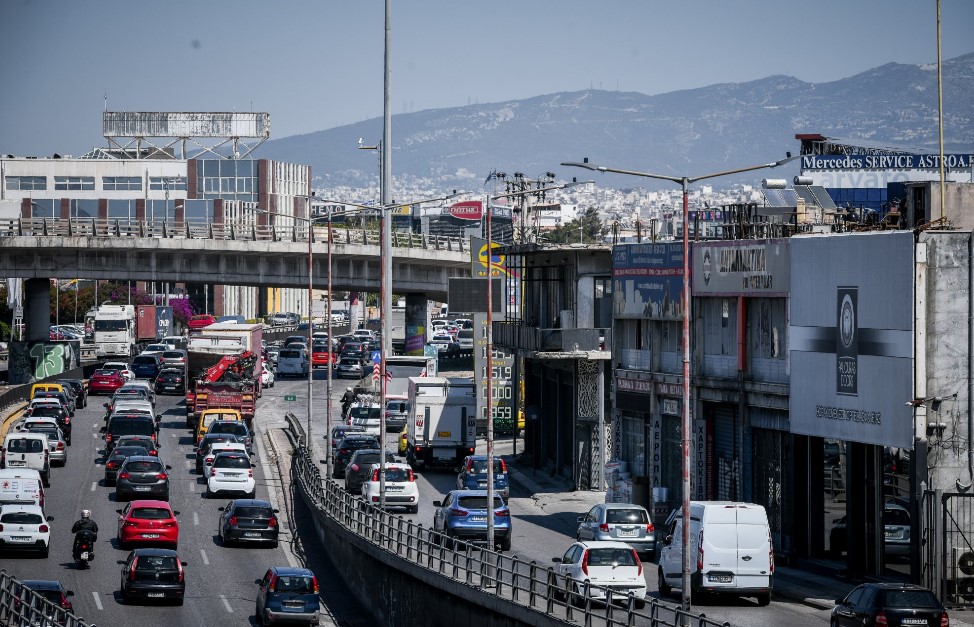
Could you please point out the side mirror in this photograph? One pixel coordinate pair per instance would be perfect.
(69, 593)
(175, 512)
(119, 511)
(437, 503)
(556, 560)
(168, 467)
(667, 540)
(253, 465)
(103, 430)
(158, 417)
(277, 511)
(105, 405)
(185, 563)
(50, 518)
(122, 562)
(257, 581)
(580, 519)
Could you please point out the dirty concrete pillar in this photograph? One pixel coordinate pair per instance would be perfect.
(37, 310)
(415, 323)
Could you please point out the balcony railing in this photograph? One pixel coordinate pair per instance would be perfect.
(518, 336)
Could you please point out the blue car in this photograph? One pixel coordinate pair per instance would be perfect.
(287, 595)
(473, 475)
(146, 366)
(462, 515)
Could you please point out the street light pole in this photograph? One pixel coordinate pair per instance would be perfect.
(331, 348)
(684, 182)
(311, 369)
(385, 309)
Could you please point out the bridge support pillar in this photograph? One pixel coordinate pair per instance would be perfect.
(37, 310)
(415, 323)
(354, 308)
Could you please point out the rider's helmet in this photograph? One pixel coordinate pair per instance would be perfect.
(86, 513)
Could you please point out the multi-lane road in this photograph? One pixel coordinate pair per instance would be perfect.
(220, 581)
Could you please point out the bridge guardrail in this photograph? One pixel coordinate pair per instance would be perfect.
(503, 576)
(20, 605)
(205, 229)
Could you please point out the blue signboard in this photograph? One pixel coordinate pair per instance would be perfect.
(647, 280)
(886, 162)
(376, 357)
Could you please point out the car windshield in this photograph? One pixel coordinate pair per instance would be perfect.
(45, 410)
(155, 562)
(479, 466)
(150, 513)
(231, 461)
(143, 466)
(478, 502)
(21, 518)
(623, 516)
(909, 599)
(110, 325)
(611, 557)
(398, 407)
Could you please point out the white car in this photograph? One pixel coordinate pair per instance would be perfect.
(401, 488)
(24, 528)
(231, 472)
(218, 448)
(157, 349)
(127, 373)
(267, 377)
(604, 565)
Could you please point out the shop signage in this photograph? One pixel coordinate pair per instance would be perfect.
(669, 389)
(638, 386)
(741, 268)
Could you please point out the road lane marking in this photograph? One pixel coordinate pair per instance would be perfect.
(205, 561)
(270, 478)
(196, 518)
(97, 600)
(94, 484)
(226, 603)
(95, 426)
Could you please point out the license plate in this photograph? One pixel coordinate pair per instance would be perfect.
(478, 519)
(156, 595)
(394, 488)
(231, 474)
(251, 534)
(720, 578)
(627, 534)
(444, 434)
(13, 463)
(913, 621)
(150, 535)
(142, 488)
(293, 605)
(84, 555)
(21, 538)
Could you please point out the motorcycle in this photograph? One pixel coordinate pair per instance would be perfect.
(84, 549)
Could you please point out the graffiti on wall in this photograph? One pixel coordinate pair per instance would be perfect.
(38, 360)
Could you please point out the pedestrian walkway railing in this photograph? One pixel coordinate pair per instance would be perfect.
(207, 229)
(20, 605)
(504, 576)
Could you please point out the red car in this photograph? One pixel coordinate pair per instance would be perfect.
(148, 523)
(321, 357)
(105, 382)
(200, 321)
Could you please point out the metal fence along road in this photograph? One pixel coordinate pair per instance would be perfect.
(204, 229)
(505, 577)
(20, 606)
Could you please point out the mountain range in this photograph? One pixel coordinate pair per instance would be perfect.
(687, 132)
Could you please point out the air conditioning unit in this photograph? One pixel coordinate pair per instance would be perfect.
(961, 563)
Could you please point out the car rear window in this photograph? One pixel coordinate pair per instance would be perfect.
(479, 466)
(909, 599)
(297, 585)
(360, 443)
(25, 445)
(132, 426)
(155, 562)
(478, 502)
(129, 451)
(235, 428)
(231, 461)
(150, 513)
(289, 354)
(611, 557)
(895, 517)
(397, 474)
(144, 359)
(396, 407)
(172, 354)
(623, 516)
(143, 466)
(253, 512)
(105, 373)
(21, 518)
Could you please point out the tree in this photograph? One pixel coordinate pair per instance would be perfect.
(587, 227)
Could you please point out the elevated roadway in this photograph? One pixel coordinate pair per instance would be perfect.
(227, 254)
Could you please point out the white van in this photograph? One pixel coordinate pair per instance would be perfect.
(23, 450)
(730, 548)
(21, 486)
(292, 361)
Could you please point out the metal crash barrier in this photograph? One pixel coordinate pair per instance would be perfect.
(503, 576)
(21, 606)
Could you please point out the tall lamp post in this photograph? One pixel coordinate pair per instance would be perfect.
(684, 181)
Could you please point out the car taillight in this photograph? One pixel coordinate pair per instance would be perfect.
(343, 451)
(700, 552)
(161, 476)
(272, 522)
(503, 513)
(232, 521)
(43, 528)
(881, 619)
(355, 467)
(639, 563)
(604, 528)
(470, 450)
(314, 582)
(375, 499)
(585, 562)
(108, 437)
(124, 475)
(132, 571)
(412, 477)
(455, 511)
(155, 453)
(179, 565)
(250, 473)
(944, 619)
(375, 475)
(111, 465)
(649, 528)
(503, 466)
(60, 446)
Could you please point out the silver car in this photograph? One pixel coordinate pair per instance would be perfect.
(621, 522)
(57, 446)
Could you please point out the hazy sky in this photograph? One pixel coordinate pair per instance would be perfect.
(316, 64)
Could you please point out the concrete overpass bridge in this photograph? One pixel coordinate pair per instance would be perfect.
(227, 254)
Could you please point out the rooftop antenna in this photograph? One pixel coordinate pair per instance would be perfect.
(106, 101)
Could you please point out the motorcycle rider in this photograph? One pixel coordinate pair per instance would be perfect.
(347, 398)
(85, 530)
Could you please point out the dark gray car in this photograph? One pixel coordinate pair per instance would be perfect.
(118, 457)
(360, 466)
(142, 477)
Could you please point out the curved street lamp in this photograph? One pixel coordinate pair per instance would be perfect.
(684, 181)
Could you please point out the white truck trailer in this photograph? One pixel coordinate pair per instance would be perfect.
(442, 421)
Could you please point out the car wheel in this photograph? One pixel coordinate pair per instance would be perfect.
(45, 551)
(414, 509)
(506, 544)
(252, 494)
(764, 599)
(276, 543)
(179, 601)
(209, 494)
(833, 623)
(665, 589)
(257, 616)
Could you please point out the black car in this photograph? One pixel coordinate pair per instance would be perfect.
(153, 574)
(891, 604)
(248, 520)
(338, 434)
(146, 366)
(145, 441)
(203, 448)
(360, 466)
(58, 413)
(80, 391)
(118, 456)
(53, 591)
(143, 477)
(170, 381)
(348, 446)
(129, 425)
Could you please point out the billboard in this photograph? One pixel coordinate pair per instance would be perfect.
(878, 171)
(851, 337)
(467, 210)
(743, 267)
(647, 281)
